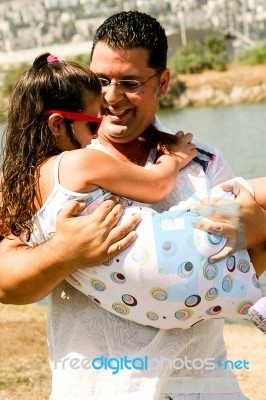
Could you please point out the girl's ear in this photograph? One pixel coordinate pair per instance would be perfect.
(56, 124)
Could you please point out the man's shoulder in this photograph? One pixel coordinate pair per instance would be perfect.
(201, 144)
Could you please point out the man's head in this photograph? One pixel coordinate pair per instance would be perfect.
(130, 46)
(132, 30)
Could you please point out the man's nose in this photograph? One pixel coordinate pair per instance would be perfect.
(113, 94)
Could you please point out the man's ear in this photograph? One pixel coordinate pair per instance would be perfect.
(164, 82)
(56, 124)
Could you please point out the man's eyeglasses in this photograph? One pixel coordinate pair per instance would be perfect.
(125, 85)
(93, 122)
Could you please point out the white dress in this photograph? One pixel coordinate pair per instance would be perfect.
(164, 279)
(80, 332)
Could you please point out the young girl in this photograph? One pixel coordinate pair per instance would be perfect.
(164, 279)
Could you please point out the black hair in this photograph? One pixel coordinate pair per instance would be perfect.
(133, 29)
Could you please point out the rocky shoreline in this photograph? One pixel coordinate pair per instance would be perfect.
(235, 86)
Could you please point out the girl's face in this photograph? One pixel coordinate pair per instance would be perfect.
(82, 131)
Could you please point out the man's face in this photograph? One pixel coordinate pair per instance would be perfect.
(125, 114)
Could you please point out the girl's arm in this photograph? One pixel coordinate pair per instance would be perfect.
(258, 258)
(86, 169)
(259, 187)
(258, 225)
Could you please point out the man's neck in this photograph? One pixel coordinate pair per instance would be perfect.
(136, 151)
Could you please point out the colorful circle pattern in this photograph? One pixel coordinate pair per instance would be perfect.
(117, 277)
(227, 283)
(97, 285)
(214, 239)
(193, 300)
(210, 271)
(183, 315)
(214, 310)
(185, 270)
(211, 294)
(141, 256)
(169, 248)
(129, 300)
(231, 263)
(243, 307)
(243, 266)
(255, 281)
(159, 294)
(120, 308)
(152, 316)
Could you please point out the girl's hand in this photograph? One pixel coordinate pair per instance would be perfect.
(184, 149)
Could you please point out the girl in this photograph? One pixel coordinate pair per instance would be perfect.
(164, 279)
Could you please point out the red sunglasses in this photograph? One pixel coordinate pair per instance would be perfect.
(94, 122)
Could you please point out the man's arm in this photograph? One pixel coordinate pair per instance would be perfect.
(242, 221)
(28, 274)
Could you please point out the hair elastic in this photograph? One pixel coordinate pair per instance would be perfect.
(52, 59)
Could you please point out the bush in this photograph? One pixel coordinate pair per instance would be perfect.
(215, 45)
(254, 56)
(175, 89)
(215, 53)
(81, 58)
(195, 57)
(11, 77)
(3, 109)
(188, 59)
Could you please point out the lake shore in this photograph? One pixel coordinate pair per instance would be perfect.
(24, 369)
(237, 85)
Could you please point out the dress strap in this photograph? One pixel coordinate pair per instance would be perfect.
(56, 168)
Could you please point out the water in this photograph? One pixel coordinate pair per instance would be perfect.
(239, 131)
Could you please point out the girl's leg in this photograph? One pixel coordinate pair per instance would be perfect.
(257, 314)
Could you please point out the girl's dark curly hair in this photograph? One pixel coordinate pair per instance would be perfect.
(28, 141)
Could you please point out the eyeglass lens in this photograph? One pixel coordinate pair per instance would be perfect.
(127, 85)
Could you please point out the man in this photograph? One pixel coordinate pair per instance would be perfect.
(129, 56)
(94, 354)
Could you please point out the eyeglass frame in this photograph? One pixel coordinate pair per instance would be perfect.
(77, 116)
(125, 90)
